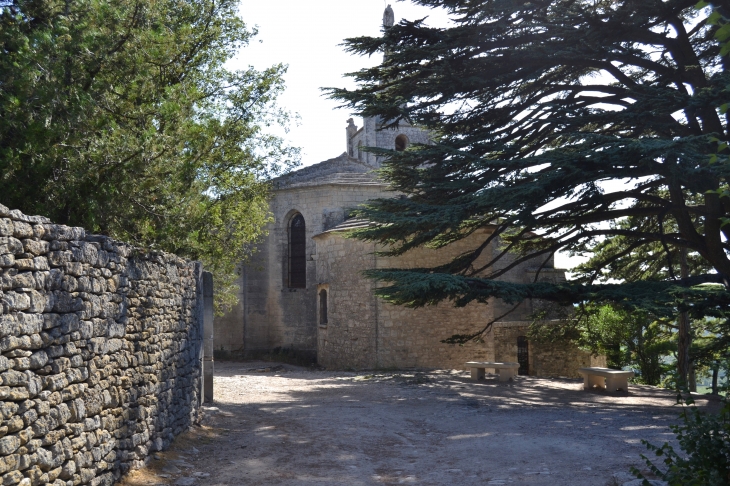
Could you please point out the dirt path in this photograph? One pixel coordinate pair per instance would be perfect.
(291, 426)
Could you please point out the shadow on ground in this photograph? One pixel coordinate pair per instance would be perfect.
(283, 425)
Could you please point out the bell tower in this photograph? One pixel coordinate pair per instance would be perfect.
(371, 135)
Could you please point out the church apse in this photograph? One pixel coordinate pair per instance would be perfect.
(304, 291)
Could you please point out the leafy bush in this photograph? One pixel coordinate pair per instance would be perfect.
(705, 439)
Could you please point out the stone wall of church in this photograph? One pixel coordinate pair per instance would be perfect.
(349, 338)
(370, 136)
(412, 337)
(545, 359)
(365, 332)
(270, 315)
(386, 138)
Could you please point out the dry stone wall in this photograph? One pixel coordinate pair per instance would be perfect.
(100, 353)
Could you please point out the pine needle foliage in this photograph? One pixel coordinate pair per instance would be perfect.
(557, 124)
(121, 116)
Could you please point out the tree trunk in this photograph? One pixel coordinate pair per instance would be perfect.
(692, 378)
(685, 337)
(715, 373)
(613, 356)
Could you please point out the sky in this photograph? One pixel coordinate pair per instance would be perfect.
(306, 36)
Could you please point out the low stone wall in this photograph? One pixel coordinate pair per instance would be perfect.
(560, 359)
(100, 353)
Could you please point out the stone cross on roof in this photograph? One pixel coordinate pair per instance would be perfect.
(388, 17)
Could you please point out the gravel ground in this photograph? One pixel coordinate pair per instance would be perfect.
(276, 424)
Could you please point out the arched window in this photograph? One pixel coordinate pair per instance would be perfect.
(297, 253)
(401, 143)
(322, 307)
(359, 150)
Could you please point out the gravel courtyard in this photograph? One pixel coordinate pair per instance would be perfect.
(274, 424)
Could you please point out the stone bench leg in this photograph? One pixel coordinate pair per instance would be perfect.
(590, 380)
(616, 383)
(477, 373)
(506, 374)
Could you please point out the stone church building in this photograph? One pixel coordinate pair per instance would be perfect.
(304, 290)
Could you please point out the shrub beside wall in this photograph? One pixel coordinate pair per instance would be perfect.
(100, 353)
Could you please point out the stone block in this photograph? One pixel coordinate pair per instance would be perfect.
(29, 323)
(78, 410)
(66, 302)
(11, 478)
(23, 280)
(77, 269)
(62, 233)
(86, 253)
(10, 245)
(17, 394)
(45, 459)
(15, 301)
(6, 227)
(8, 409)
(97, 345)
(56, 382)
(29, 417)
(13, 378)
(35, 247)
(58, 258)
(24, 262)
(22, 230)
(40, 302)
(69, 283)
(40, 263)
(38, 359)
(68, 470)
(61, 363)
(7, 260)
(35, 475)
(8, 463)
(54, 473)
(69, 323)
(115, 330)
(8, 326)
(9, 444)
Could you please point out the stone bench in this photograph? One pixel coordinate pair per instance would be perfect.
(614, 379)
(506, 371)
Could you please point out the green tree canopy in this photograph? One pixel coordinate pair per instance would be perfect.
(122, 117)
(557, 124)
(625, 338)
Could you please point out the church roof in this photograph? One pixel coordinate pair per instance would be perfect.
(339, 170)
